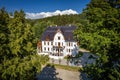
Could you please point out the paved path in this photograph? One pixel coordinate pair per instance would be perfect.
(49, 73)
(56, 61)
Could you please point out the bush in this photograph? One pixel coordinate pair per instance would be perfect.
(80, 54)
(68, 57)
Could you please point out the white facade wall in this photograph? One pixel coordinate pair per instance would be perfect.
(69, 47)
(59, 38)
(47, 46)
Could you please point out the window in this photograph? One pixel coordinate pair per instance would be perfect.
(69, 43)
(59, 44)
(48, 43)
(45, 48)
(58, 38)
(48, 49)
(44, 43)
(47, 37)
(69, 50)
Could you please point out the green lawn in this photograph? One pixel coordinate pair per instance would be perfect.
(66, 67)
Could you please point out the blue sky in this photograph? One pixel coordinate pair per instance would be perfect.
(37, 6)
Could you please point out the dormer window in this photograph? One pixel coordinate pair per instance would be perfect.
(47, 37)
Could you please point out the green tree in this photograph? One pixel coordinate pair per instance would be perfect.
(18, 59)
(4, 19)
(101, 36)
(20, 37)
(39, 27)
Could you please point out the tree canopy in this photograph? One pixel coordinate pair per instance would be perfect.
(18, 58)
(102, 37)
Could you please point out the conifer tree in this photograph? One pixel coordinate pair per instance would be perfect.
(20, 36)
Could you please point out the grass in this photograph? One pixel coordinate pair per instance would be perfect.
(66, 67)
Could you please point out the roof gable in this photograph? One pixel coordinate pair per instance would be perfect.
(67, 32)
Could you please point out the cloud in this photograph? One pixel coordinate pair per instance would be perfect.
(49, 14)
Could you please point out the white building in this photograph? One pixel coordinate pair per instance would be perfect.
(58, 42)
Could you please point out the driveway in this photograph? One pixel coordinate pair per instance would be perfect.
(50, 73)
(67, 75)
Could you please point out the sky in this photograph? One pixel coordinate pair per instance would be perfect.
(44, 8)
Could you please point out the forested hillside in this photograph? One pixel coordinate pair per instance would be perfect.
(39, 25)
(102, 37)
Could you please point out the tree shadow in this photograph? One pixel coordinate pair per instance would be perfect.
(48, 73)
(83, 76)
(88, 58)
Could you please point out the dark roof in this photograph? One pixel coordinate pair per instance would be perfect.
(67, 32)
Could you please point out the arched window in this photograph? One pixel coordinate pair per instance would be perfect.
(58, 37)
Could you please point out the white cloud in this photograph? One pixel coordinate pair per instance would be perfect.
(49, 14)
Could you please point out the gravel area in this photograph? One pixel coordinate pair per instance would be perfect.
(68, 75)
(49, 73)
